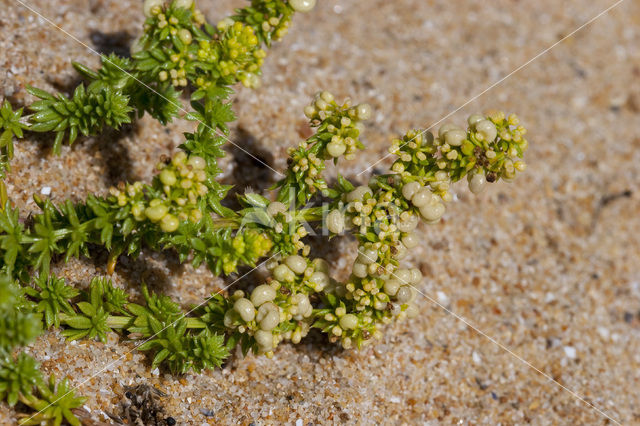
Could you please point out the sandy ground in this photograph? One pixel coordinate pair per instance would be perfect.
(538, 276)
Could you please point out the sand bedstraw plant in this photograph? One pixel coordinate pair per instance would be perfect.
(184, 209)
(20, 377)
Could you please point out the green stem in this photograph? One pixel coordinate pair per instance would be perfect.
(312, 214)
(226, 223)
(122, 322)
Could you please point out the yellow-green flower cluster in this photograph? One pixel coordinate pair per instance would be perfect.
(231, 52)
(248, 245)
(182, 185)
(171, 23)
(307, 167)
(489, 149)
(270, 19)
(276, 27)
(236, 53)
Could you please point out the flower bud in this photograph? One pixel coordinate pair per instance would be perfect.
(442, 176)
(346, 343)
(320, 265)
(179, 158)
(321, 104)
(296, 337)
(304, 305)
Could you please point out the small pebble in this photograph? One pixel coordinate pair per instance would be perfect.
(442, 298)
(46, 190)
(603, 332)
(207, 412)
(570, 351)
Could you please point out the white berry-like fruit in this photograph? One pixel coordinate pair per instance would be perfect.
(302, 5)
(487, 129)
(477, 183)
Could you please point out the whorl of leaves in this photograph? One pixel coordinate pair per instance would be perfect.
(86, 112)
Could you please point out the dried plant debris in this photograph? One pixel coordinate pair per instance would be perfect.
(140, 406)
